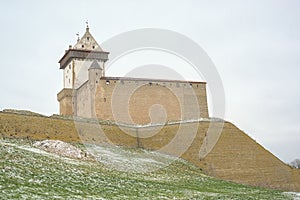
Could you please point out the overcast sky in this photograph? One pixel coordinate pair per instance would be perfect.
(254, 45)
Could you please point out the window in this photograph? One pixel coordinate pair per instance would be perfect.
(93, 47)
(150, 84)
(69, 66)
(104, 100)
(82, 46)
(88, 38)
(107, 82)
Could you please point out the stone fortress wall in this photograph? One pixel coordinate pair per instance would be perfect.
(235, 157)
(141, 101)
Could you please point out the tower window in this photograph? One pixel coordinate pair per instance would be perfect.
(88, 38)
(93, 47)
(82, 46)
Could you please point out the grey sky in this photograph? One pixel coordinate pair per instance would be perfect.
(255, 46)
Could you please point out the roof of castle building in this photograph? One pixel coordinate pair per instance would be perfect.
(85, 48)
(87, 42)
(150, 80)
(95, 65)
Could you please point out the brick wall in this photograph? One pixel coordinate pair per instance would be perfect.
(143, 102)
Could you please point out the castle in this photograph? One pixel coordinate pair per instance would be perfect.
(89, 93)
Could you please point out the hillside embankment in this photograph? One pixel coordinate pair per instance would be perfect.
(231, 154)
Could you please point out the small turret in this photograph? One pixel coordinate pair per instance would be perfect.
(95, 73)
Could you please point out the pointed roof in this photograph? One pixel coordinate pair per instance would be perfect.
(95, 65)
(85, 48)
(87, 42)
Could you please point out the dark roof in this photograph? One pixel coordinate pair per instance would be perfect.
(82, 54)
(150, 80)
(95, 65)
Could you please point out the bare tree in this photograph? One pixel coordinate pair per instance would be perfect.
(295, 163)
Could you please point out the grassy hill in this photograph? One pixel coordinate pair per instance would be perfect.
(235, 157)
(30, 173)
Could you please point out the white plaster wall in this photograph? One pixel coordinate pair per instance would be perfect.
(68, 76)
(81, 71)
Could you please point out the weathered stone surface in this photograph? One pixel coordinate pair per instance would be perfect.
(63, 149)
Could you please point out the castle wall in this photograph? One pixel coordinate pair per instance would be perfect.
(235, 157)
(66, 104)
(142, 102)
(83, 101)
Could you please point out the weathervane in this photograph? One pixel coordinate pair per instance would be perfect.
(77, 34)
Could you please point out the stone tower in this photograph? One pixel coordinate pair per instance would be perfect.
(85, 56)
(88, 93)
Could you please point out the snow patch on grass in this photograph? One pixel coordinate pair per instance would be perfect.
(295, 195)
(30, 173)
(130, 160)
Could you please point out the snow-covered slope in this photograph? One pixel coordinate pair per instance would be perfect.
(27, 172)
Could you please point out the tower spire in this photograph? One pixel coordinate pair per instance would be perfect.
(87, 25)
(87, 41)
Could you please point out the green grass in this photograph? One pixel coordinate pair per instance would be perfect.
(29, 174)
